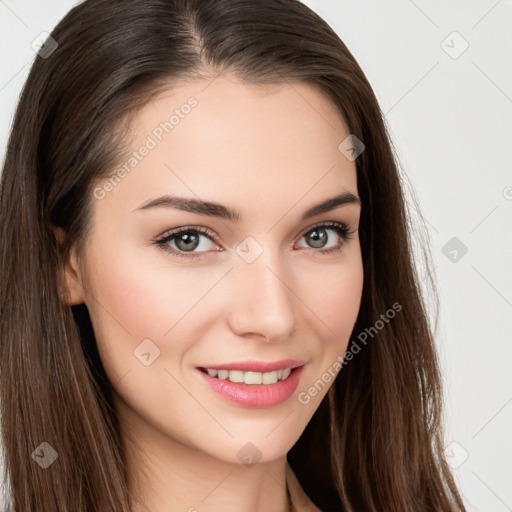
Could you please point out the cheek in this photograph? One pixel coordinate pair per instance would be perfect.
(137, 301)
(134, 299)
(335, 298)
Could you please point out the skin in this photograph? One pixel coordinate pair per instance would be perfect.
(272, 163)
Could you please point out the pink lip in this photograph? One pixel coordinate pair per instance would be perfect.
(257, 366)
(255, 395)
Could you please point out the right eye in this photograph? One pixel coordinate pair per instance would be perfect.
(185, 241)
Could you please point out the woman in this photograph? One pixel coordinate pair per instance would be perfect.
(208, 296)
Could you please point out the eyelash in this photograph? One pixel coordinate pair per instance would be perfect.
(341, 229)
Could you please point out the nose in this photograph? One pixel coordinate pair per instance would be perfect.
(261, 298)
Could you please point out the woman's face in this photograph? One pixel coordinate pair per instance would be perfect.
(261, 288)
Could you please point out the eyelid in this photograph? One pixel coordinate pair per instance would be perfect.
(177, 231)
(320, 224)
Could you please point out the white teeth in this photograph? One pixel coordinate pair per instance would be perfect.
(236, 376)
(269, 378)
(253, 378)
(250, 377)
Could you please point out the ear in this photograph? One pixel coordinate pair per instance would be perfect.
(73, 277)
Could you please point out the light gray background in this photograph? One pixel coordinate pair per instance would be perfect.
(451, 121)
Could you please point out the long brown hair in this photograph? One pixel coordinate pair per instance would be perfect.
(376, 441)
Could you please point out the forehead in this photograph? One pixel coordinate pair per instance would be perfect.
(235, 143)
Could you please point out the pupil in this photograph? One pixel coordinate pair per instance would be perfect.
(188, 239)
(318, 237)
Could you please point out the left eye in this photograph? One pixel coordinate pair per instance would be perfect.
(318, 237)
(186, 240)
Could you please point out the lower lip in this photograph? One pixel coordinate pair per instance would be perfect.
(255, 395)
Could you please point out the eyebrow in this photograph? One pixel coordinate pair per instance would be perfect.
(218, 210)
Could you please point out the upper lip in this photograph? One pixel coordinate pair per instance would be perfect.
(257, 366)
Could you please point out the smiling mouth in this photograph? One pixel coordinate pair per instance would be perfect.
(251, 378)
